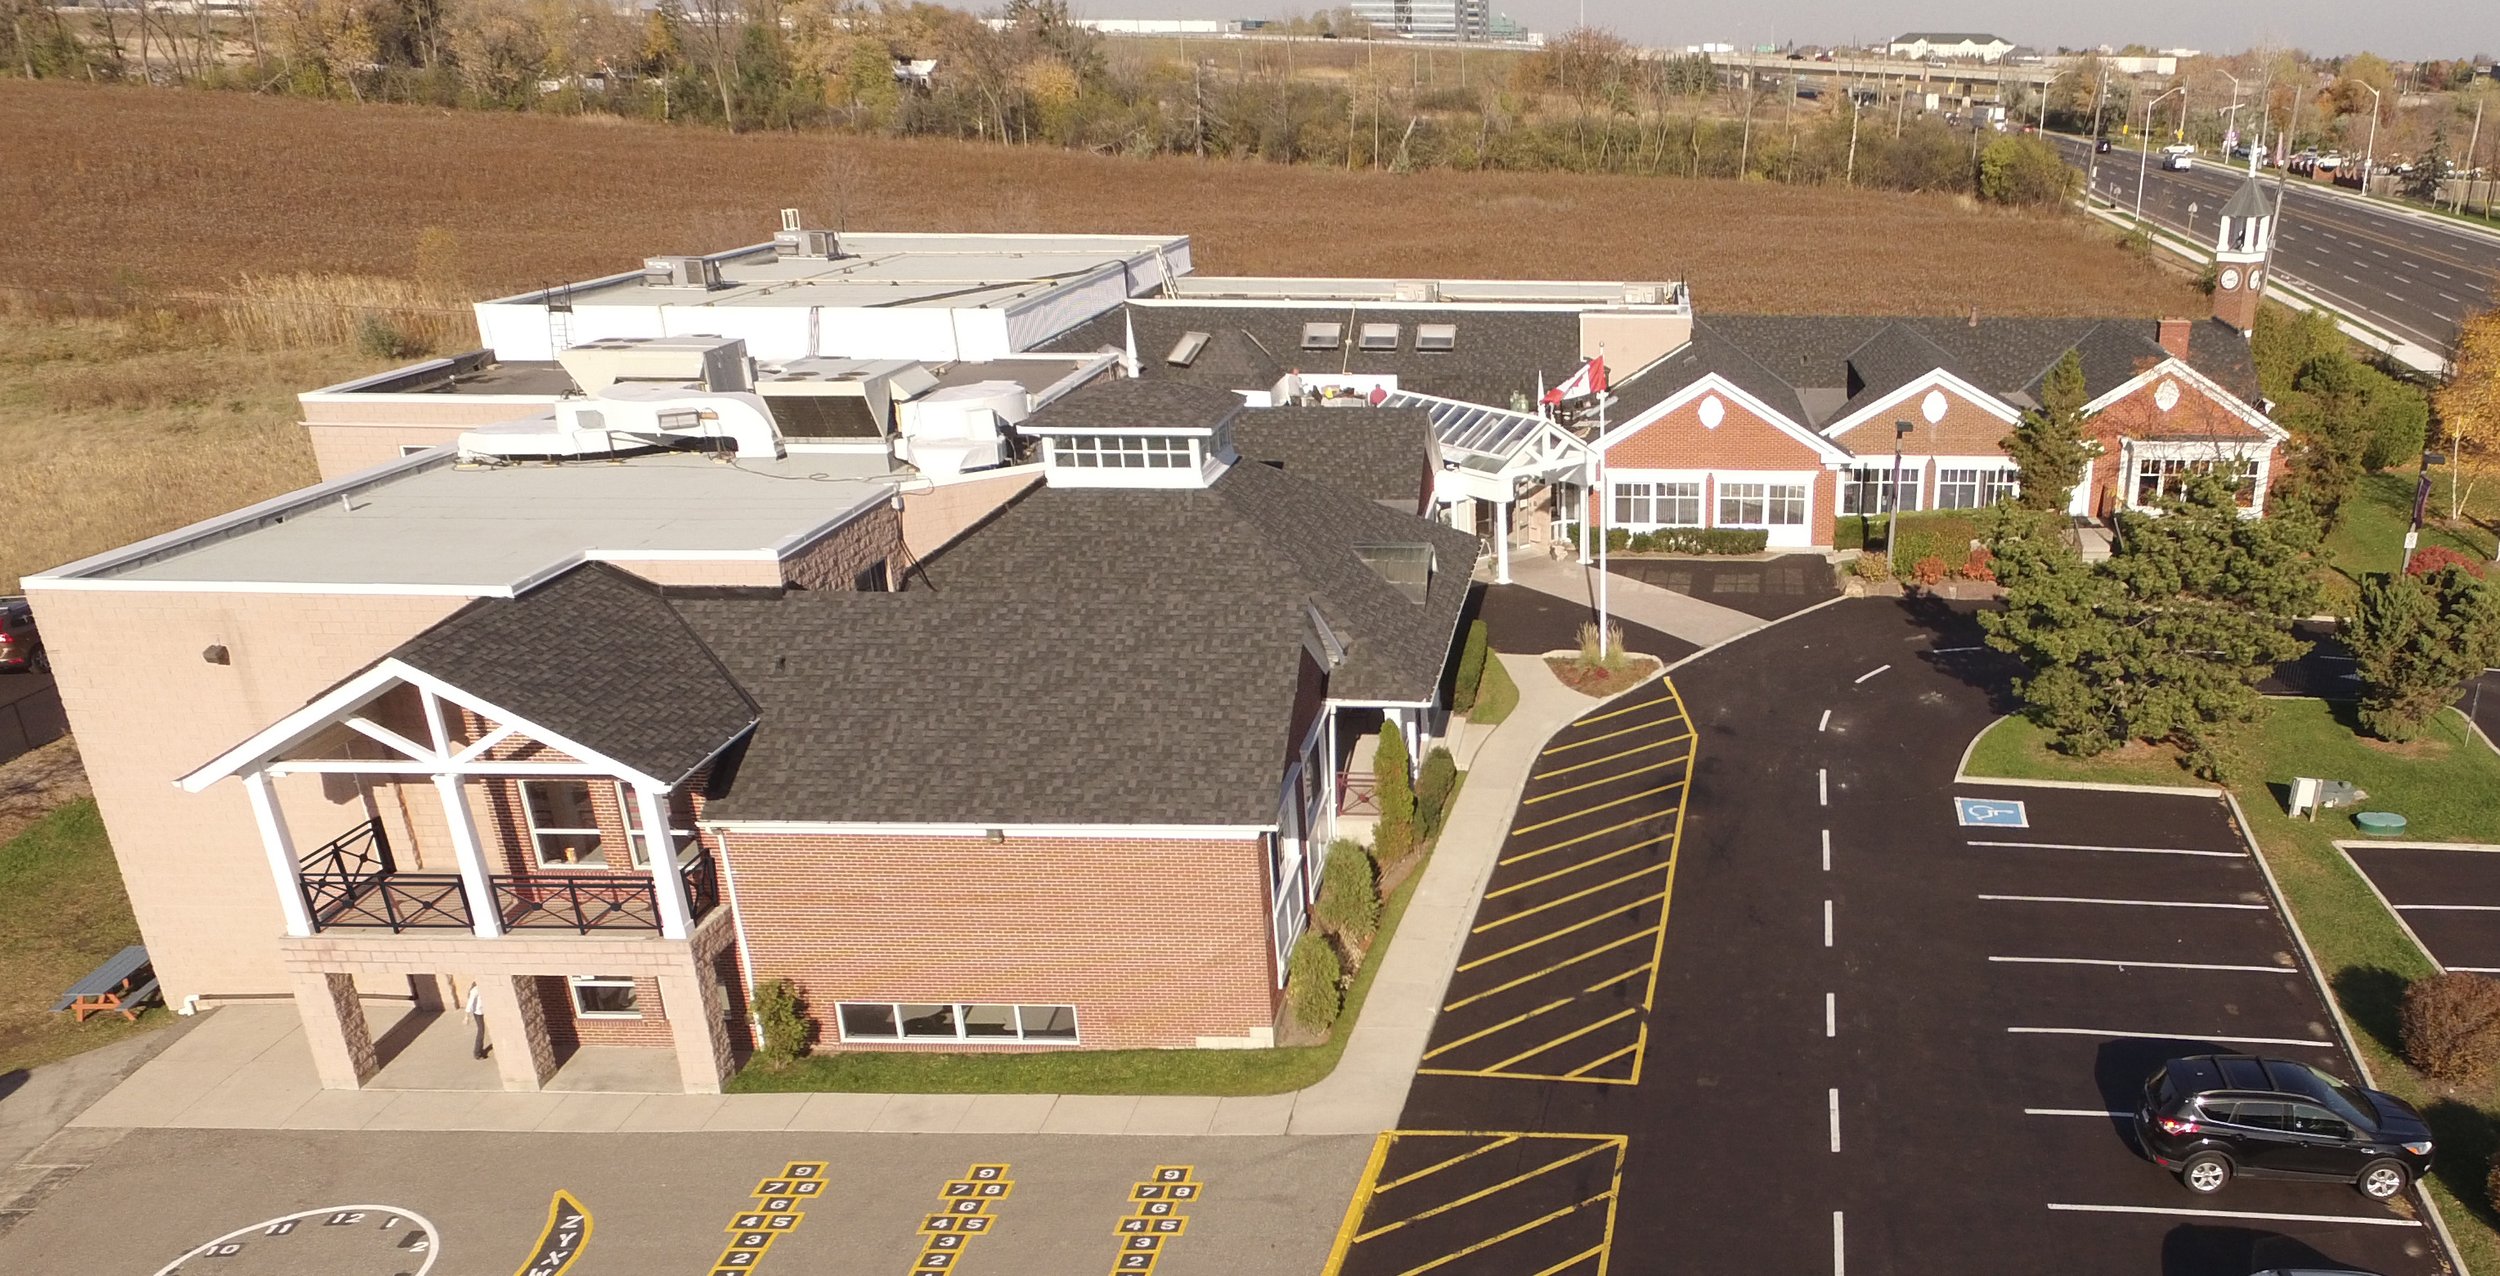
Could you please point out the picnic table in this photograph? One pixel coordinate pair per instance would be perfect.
(123, 983)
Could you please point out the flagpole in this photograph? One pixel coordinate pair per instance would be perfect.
(1602, 503)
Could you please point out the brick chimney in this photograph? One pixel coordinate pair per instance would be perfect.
(2174, 336)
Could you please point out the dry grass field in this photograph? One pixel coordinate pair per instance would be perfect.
(105, 187)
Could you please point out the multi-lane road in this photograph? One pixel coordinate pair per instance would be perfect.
(2408, 273)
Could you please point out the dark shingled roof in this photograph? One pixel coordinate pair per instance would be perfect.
(1379, 454)
(1709, 351)
(600, 658)
(1498, 352)
(1260, 538)
(1006, 708)
(2248, 201)
(1891, 359)
(1137, 404)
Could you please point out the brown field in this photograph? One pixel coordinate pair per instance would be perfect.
(105, 188)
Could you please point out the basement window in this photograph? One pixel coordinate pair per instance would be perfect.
(955, 1022)
(1185, 351)
(1436, 336)
(604, 997)
(1322, 336)
(1380, 336)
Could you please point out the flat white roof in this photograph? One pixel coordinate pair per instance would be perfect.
(885, 270)
(1561, 294)
(426, 525)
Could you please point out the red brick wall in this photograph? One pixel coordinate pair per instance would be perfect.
(1966, 430)
(2196, 415)
(1744, 440)
(567, 1031)
(1155, 942)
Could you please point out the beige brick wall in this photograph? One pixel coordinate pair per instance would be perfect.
(753, 573)
(340, 450)
(836, 560)
(148, 709)
(934, 517)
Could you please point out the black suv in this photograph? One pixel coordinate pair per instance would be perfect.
(2216, 1115)
(21, 648)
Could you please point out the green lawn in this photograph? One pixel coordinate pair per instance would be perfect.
(2444, 785)
(2371, 537)
(1496, 695)
(1219, 1072)
(62, 911)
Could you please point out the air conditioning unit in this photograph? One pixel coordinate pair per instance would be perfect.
(681, 272)
(1417, 290)
(799, 242)
(1644, 294)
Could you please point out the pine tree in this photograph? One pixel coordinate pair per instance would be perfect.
(1395, 777)
(2418, 639)
(2051, 445)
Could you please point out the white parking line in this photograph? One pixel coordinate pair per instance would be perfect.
(1831, 1014)
(2081, 1112)
(1946, 651)
(2448, 908)
(1872, 672)
(1826, 723)
(1823, 786)
(2172, 1036)
(2276, 1218)
(1835, 1119)
(2478, 970)
(2131, 903)
(1827, 850)
(2155, 965)
(1827, 923)
(1840, 1264)
(2131, 850)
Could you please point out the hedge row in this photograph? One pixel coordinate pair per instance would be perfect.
(1689, 540)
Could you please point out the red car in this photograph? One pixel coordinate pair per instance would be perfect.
(21, 648)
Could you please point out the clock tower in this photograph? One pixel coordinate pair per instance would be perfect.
(2242, 242)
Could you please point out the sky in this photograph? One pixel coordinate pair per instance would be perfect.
(2395, 28)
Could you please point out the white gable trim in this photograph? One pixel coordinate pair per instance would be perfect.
(2177, 367)
(1938, 379)
(1832, 454)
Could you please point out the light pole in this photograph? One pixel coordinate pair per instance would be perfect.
(2144, 152)
(2369, 157)
(1892, 497)
(2421, 507)
(2233, 124)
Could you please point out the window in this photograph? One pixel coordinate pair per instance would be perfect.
(871, 580)
(604, 997)
(1658, 504)
(956, 1021)
(1185, 351)
(1869, 489)
(678, 838)
(2162, 478)
(1322, 336)
(1436, 336)
(1379, 336)
(1762, 504)
(1119, 452)
(563, 829)
(2318, 1121)
(1973, 488)
(2258, 1115)
(411, 449)
(1788, 504)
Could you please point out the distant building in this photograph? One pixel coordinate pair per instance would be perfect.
(1164, 26)
(1427, 19)
(1923, 45)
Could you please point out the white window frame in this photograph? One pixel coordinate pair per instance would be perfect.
(538, 851)
(638, 846)
(1620, 485)
(573, 985)
(1996, 474)
(1129, 451)
(1913, 480)
(2138, 453)
(1765, 483)
(895, 1009)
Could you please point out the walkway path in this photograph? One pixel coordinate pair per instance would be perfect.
(246, 1066)
(1680, 615)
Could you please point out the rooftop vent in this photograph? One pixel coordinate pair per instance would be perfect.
(1407, 568)
(1645, 294)
(1380, 336)
(796, 240)
(681, 272)
(1436, 336)
(1185, 351)
(1322, 336)
(1416, 290)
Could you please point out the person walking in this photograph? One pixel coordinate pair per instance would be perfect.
(476, 1006)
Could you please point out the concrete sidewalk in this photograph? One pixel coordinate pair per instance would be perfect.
(1695, 621)
(246, 1066)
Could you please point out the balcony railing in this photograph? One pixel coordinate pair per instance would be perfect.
(352, 881)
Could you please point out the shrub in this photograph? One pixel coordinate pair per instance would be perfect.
(1943, 536)
(1981, 565)
(1690, 540)
(1613, 656)
(1349, 895)
(2433, 558)
(1312, 976)
(2491, 1185)
(1393, 767)
(787, 1029)
(2418, 640)
(379, 338)
(1432, 796)
(1470, 667)
(2452, 1026)
(1871, 565)
(1929, 572)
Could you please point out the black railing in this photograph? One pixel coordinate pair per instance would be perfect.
(702, 886)
(351, 880)
(362, 851)
(578, 902)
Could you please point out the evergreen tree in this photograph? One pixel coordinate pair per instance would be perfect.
(2329, 416)
(2418, 639)
(1393, 772)
(2051, 445)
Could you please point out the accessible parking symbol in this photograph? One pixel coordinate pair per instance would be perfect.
(1990, 813)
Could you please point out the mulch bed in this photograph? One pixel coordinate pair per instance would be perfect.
(1594, 680)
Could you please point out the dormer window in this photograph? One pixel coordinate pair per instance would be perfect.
(1322, 336)
(1379, 336)
(1119, 452)
(1185, 351)
(1436, 336)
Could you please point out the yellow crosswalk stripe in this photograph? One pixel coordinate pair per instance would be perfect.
(1583, 893)
(1638, 748)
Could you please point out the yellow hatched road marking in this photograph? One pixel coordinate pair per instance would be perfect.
(1594, 1064)
(1566, 872)
(1548, 797)
(1634, 1079)
(1363, 1190)
(1650, 703)
(1638, 748)
(1576, 926)
(1598, 1249)
(1530, 1226)
(1481, 1193)
(1633, 876)
(1658, 951)
(1487, 1032)
(1573, 1035)
(1438, 1166)
(1592, 810)
(1603, 984)
(1536, 975)
(1575, 841)
(1601, 739)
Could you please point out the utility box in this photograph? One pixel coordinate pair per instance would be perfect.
(2310, 795)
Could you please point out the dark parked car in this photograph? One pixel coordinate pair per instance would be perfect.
(21, 648)
(2101, 146)
(2213, 1116)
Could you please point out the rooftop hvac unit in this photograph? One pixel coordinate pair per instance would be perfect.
(1644, 294)
(959, 427)
(800, 242)
(1417, 290)
(681, 272)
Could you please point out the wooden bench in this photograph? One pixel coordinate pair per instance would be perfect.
(124, 983)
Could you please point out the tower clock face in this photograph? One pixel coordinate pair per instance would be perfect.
(2253, 278)
(2231, 278)
(340, 1240)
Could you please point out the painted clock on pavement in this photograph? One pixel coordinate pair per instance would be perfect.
(337, 1240)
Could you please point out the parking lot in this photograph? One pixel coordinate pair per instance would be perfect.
(2447, 897)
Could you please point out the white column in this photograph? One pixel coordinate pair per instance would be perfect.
(484, 918)
(1501, 543)
(280, 846)
(1588, 519)
(1328, 775)
(666, 883)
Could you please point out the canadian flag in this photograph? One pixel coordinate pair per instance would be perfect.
(1589, 380)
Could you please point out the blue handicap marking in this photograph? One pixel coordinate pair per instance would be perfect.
(1991, 813)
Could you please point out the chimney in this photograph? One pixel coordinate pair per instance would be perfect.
(1974, 316)
(2174, 336)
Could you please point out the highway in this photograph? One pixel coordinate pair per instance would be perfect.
(2410, 274)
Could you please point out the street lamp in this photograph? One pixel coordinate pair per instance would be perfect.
(1892, 498)
(2144, 152)
(2369, 157)
(2421, 507)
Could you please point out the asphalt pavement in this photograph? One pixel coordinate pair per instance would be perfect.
(30, 713)
(2409, 273)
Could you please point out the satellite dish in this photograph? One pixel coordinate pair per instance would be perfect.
(1932, 407)
(1712, 412)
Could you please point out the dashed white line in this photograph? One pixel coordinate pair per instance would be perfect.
(1835, 1119)
(2081, 1112)
(2149, 965)
(1831, 1014)
(1823, 786)
(2171, 1036)
(1946, 651)
(2448, 908)
(1872, 672)
(1826, 723)
(2130, 850)
(2132, 903)
(1840, 1264)
(1827, 923)
(2278, 1218)
(1827, 850)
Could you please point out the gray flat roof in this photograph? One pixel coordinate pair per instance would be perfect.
(486, 530)
(954, 271)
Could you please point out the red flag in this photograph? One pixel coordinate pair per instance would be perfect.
(1589, 380)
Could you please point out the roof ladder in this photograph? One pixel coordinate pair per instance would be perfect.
(559, 319)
